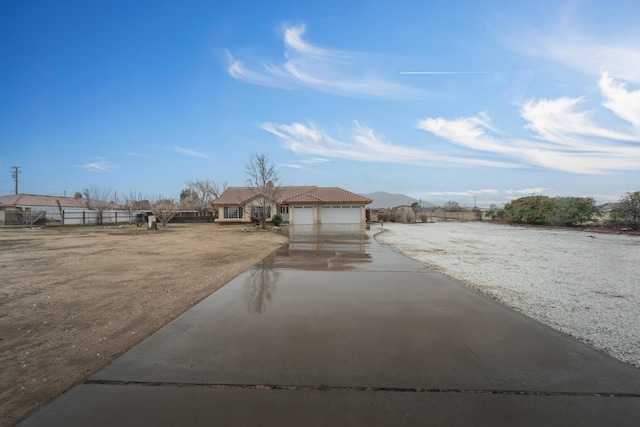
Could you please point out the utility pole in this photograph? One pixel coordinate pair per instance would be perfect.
(14, 175)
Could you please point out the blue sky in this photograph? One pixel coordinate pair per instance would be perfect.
(438, 100)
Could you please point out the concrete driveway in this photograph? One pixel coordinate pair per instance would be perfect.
(334, 329)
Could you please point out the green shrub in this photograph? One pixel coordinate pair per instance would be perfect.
(627, 212)
(573, 211)
(276, 220)
(528, 210)
(543, 210)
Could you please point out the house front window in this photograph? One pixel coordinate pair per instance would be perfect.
(258, 211)
(232, 212)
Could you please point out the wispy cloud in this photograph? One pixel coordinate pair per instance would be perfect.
(485, 191)
(314, 160)
(469, 72)
(448, 193)
(623, 103)
(305, 163)
(291, 165)
(326, 70)
(575, 43)
(529, 191)
(138, 155)
(100, 165)
(366, 146)
(463, 193)
(564, 137)
(475, 133)
(559, 121)
(191, 153)
(621, 58)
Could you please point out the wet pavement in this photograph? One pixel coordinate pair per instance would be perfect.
(335, 329)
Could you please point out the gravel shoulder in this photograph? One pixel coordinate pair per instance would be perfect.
(584, 284)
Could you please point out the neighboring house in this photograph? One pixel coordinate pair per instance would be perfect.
(65, 210)
(605, 211)
(296, 205)
(608, 207)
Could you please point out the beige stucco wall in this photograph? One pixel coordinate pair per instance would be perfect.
(316, 209)
(246, 214)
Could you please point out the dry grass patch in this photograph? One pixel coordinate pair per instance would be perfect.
(73, 299)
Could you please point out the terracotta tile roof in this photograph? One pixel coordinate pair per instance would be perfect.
(36, 200)
(288, 195)
(234, 196)
(288, 192)
(241, 195)
(338, 195)
(302, 198)
(20, 200)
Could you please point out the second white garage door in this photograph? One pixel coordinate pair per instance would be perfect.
(340, 214)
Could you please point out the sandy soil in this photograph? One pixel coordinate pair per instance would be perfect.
(73, 299)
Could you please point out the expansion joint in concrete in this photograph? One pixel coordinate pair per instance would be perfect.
(363, 389)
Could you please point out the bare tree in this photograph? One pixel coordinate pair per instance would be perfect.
(261, 284)
(189, 200)
(29, 216)
(99, 199)
(204, 192)
(263, 180)
(165, 210)
(135, 202)
(452, 206)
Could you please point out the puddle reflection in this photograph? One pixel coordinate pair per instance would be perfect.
(261, 285)
(310, 248)
(324, 247)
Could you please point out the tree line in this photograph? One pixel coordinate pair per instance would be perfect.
(198, 196)
(569, 211)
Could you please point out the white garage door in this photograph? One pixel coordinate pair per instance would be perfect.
(303, 215)
(340, 214)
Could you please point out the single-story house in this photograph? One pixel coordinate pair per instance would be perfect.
(66, 210)
(305, 205)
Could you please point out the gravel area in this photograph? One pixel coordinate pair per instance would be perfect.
(584, 284)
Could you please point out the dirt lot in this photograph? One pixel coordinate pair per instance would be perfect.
(73, 299)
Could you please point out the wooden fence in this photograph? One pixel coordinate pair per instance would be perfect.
(439, 216)
(449, 216)
(92, 217)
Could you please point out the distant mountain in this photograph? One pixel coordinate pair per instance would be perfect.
(388, 200)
